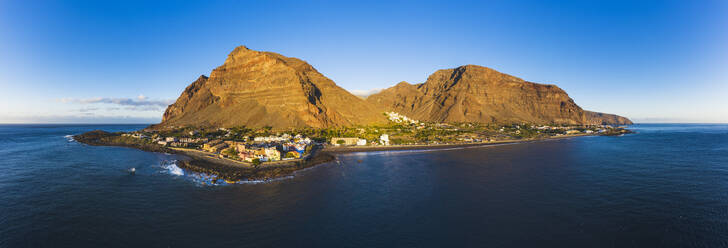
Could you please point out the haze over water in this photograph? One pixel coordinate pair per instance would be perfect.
(666, 186)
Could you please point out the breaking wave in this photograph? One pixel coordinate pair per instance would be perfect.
(172, 168)
(205, 179)
(69, 138)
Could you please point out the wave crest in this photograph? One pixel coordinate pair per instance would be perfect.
(172, 168)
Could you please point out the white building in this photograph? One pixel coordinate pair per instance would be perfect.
(398, 118)
(361, 142)
(271, 138)
(384, 139)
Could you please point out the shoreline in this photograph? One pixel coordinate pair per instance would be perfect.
(231, 170)
(234, 173)
(352, 149)
(225, 169)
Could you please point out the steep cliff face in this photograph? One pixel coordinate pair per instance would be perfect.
(398, 98)
(267, 89)
(193, 98)
(597, 118)
(478, 94)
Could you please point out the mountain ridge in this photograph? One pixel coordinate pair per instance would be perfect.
(473, 93)
(259, 89)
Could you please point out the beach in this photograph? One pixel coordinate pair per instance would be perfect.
(348, 149)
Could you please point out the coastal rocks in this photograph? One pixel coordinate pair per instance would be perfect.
(617, 132)
(102, 138)
(474, 93)
(237, 173)
(92, 137)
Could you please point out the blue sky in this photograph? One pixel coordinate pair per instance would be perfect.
(105, 61)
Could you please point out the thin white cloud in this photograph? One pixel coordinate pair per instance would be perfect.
(82, 118)
(139, 103)
(144, 108)
(365, 93)
(89, 109)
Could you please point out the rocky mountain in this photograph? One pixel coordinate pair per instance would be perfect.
(602, 118)
(258, 89)
(479, 94)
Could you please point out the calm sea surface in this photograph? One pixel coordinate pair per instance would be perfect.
(666, 186)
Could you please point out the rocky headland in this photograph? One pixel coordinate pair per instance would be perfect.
(222, 168)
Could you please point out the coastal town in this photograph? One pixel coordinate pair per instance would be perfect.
(222, 144)
(257, 146)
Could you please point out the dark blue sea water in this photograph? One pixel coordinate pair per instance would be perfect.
(666, 186)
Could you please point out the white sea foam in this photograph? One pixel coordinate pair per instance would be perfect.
(69, 138)
(201, 179)
(204, 179)
(173, 169)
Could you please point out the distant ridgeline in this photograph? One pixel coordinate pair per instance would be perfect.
(258, 89)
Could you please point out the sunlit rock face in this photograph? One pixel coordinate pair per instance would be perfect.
(474, 93)
(258, 89)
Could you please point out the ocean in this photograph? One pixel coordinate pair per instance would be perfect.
(665, 186)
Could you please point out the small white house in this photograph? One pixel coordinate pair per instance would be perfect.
(384, 139)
